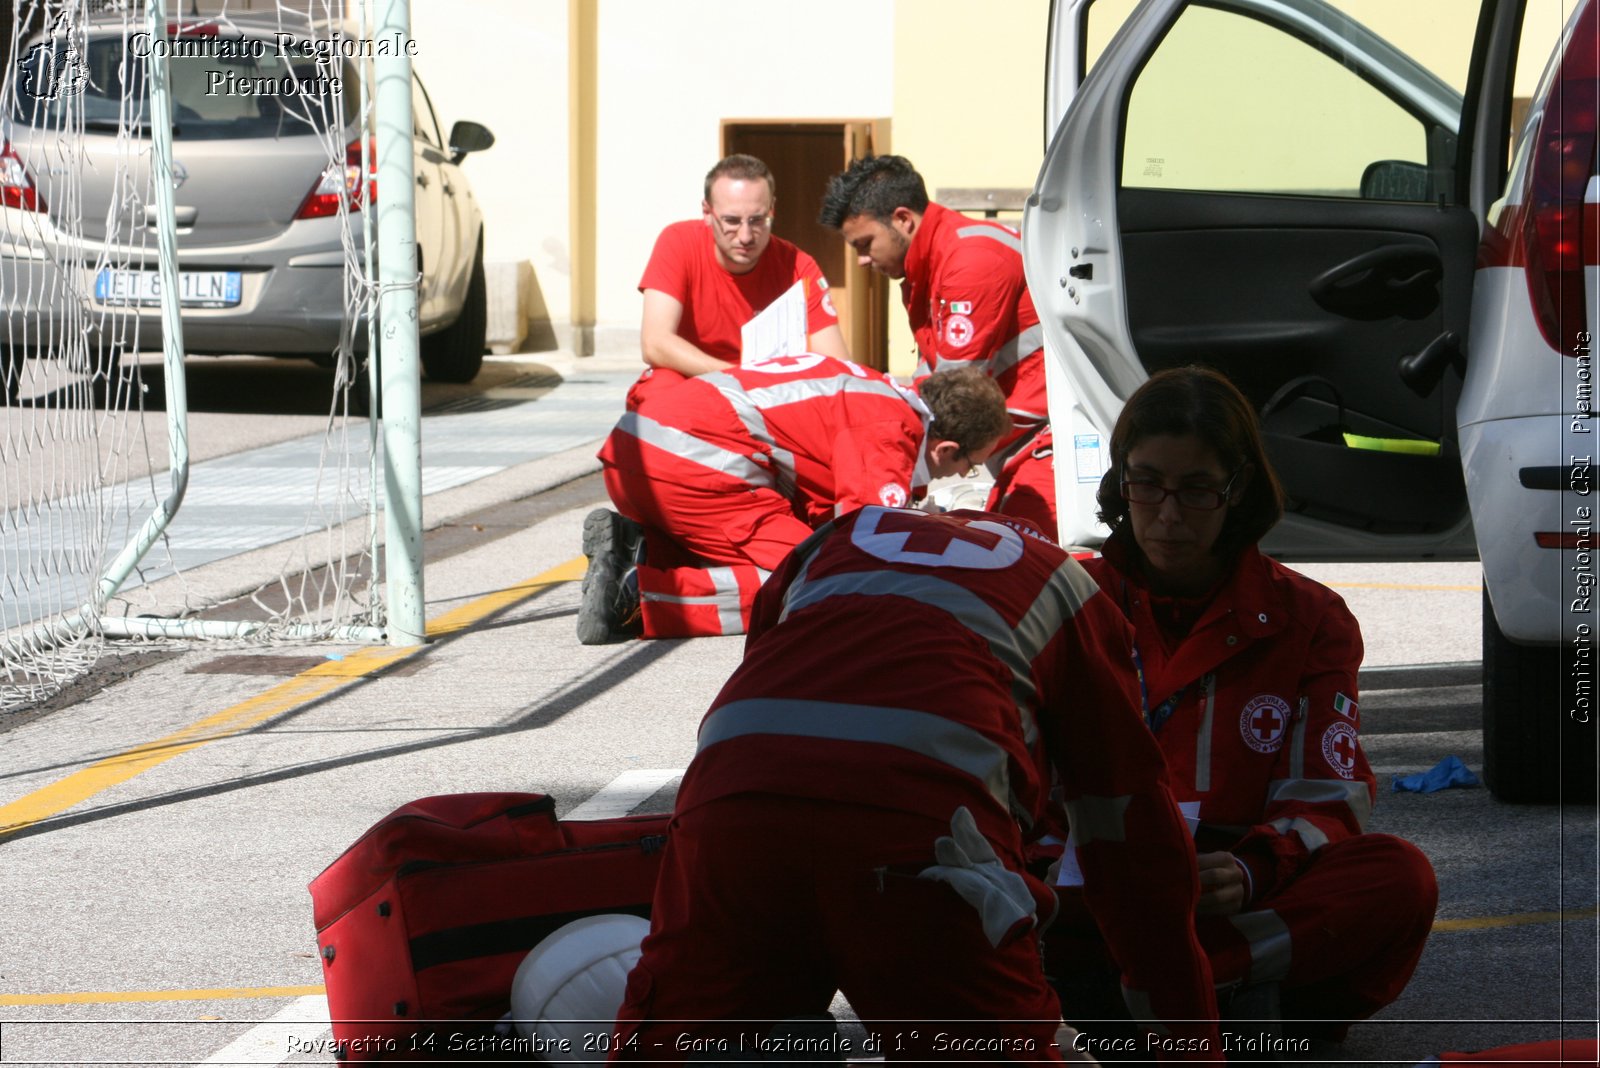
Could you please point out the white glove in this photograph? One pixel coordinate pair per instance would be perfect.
(969, 864)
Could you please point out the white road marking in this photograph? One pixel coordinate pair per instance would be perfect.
(269, 1042)
(622, 794)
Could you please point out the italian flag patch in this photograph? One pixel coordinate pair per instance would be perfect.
(1344, 706)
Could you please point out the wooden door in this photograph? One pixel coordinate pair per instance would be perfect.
(803, 154)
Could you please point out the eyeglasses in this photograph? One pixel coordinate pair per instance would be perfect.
(733, 224)
(974, 467)
(1196, 498)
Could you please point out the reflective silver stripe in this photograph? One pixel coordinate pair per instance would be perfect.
(1202, 748)
(993, 233)
(1025, 416)
(797, 390)
(1060, 598)
(727, 599)
(1353, 795)
(1099, 819)
(755, 424)
(929, 735)
(1311, 835)
(1140, 1009)
(1012, 352)
(922, 370)
(1270, 945)
(686, 445)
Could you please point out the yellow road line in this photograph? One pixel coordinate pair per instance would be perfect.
(120, 997)
(1478, 923)
(1399, 586)
(1484, 923)
(304, 688)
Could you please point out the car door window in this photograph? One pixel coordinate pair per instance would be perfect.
(422, 117)
(1230, 104)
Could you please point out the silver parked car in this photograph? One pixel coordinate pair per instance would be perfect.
(258, 112)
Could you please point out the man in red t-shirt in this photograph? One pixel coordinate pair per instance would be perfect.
(707, 277)
(965, 293)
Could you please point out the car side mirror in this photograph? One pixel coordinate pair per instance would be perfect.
(467, 136)
(1395, 179)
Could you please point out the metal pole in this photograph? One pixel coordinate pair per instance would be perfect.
(397, 315)
(171, 315)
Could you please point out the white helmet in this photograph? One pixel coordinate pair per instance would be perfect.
(573, 981)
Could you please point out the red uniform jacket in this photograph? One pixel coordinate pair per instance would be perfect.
(968, 301)
(1263, 728)
(828, 434)
(923, 662)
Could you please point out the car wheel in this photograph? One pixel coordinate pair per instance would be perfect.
(455, 354)
(1538, 722)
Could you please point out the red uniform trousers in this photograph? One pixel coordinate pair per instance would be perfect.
(768, 904)
(1026, 485)
(1342, 938)
(698, 579)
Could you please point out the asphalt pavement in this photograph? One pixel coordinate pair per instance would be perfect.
(159, 822)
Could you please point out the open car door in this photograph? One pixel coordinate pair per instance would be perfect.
(1273, 189)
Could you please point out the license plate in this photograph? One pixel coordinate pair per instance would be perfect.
(196, 289)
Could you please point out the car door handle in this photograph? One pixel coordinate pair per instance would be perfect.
(1380, 279)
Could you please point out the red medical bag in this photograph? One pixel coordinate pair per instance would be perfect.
(422, 922)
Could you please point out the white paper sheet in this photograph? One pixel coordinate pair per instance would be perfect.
(779, 329)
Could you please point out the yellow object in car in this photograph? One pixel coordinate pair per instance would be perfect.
(1410, 446)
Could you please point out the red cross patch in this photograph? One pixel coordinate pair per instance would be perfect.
(935, 540)
(1339, 748)
(1264, 722)
(776, 365)
(958, 331)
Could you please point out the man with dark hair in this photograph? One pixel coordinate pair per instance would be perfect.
(726, 472)
(707, 277)
(964, 290)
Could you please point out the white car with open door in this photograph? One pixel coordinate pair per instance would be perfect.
(1330, 213)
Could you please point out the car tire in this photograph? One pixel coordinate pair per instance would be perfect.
(1535, 749)
(455, 354)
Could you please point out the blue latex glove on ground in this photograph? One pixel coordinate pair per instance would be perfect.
(1443, 775)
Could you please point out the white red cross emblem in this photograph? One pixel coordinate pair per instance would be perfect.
(936, 540)
(958, 331)
(777, 365)
(1264, 722)
(1339, 748)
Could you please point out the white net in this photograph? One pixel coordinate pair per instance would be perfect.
(97, 443)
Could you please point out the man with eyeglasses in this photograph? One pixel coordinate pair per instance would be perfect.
(723, 474)
(708, 277)
(963, 288)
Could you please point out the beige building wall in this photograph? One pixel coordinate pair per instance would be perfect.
(513, 79)
(672, 70)
(968, 105)
(962, 81)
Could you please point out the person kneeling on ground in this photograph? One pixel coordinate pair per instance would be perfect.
(1249, 678)
(853, 818)
(719, 476)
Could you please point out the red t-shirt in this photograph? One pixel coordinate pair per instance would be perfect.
(716, 304)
